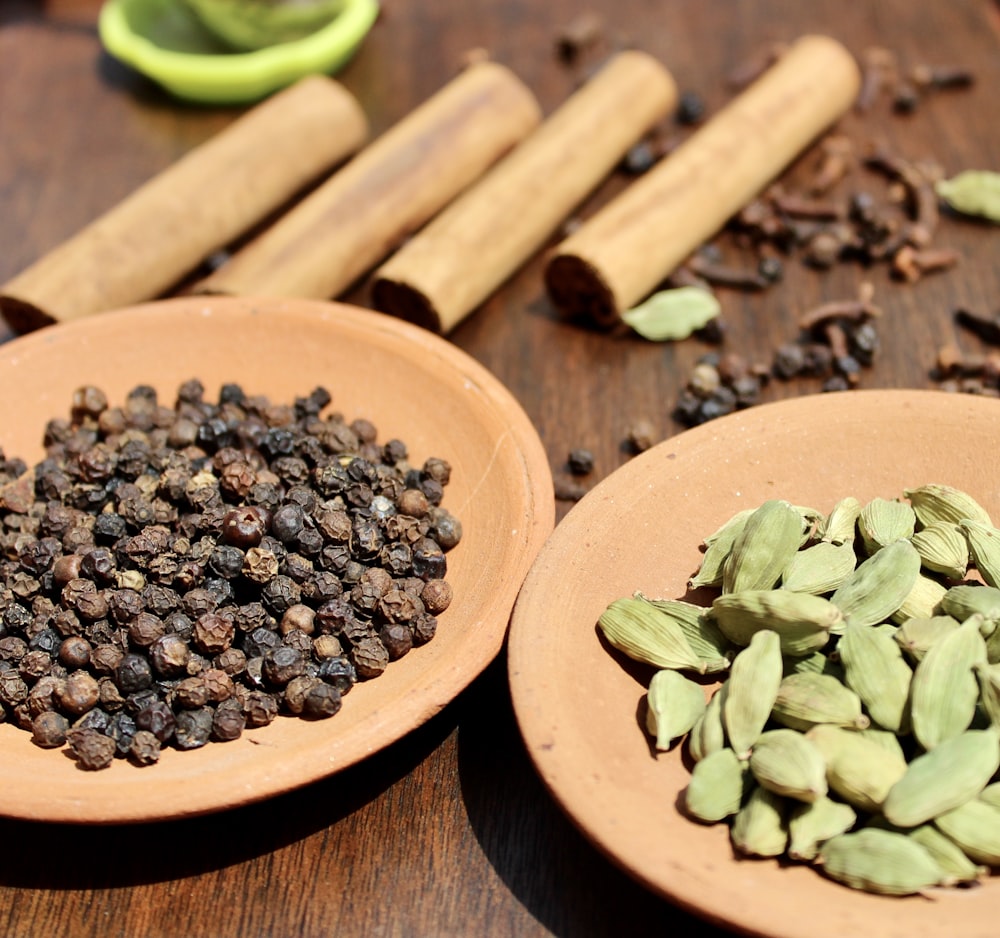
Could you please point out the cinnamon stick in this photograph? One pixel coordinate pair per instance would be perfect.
(193, 208)
(392, 187)
(478, 241)
(629, 247)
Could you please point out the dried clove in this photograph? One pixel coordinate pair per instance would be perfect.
(579, 36)
(910, 264)
(921, 196)
(836, 162)
(986, 328)
(941, 77)
(878, 69)
(739, 278)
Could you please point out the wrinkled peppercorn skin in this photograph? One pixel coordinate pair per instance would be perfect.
(175, 575)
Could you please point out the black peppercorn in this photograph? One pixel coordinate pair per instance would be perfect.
(49, 729)
(91, 748)
(133, 674)
(144, 748)
(194, 728)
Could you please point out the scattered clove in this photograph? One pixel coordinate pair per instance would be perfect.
(579, 36)
(941, 77)
(910, 263)
(986, 328)
(836, 162)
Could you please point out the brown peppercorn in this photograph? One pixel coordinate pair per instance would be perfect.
(228, 724)
(91, 748)
(78, 694)
(213, 633)
(260, 708)
(436, 596)
(296, 691)
(413, 503)
(144, 748)
(369, 657)
(327, 646)
(145, 629)
(104, 659)
(299, 617)
(49, 729)
(218, 684)
(323, 700)
(191, 693)
(66, 568)
(400, 606)
(169, 655)
(43, 694)
(74, 651)
(396, 638)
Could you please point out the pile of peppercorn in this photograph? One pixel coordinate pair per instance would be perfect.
(173, 575)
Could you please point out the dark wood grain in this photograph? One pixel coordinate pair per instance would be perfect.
(450, 832)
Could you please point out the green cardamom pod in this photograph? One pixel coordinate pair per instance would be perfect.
(717, 788)
(984, 549)
(820, 568)
(672, 314)
(718, 546)
(703, 635)
(751, 690)
(708, 734)
(922, 600)
(874, 668)
(788, 764)
(644, 633)
(805, 699)
(918, 633)
(817, 663)
(812, 824)
(673, 704)
(943, 548)
(991, 794)
(944, 691)
(975, 827)
(968, 599)
(887, 739)
(879, 584)
(952, 860)
(944, 778)
(841, 523)
(771, 535)
(879, 861)
(936, 502)
(760, 827)
(972, 192)
(859, 770)
(803, 622)
(883, 521)
(988, 675)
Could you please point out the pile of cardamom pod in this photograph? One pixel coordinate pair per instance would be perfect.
(857, 723)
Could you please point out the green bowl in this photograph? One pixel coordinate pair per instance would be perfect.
(166, 41)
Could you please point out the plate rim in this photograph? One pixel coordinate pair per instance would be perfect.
(537, 510)
(546, 743)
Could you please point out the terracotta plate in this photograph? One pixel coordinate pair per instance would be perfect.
(578, 704)
(414, 386)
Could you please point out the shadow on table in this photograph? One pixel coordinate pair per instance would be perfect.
(552, 869)
(58, 856)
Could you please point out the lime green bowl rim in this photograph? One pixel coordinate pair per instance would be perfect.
(239, 76)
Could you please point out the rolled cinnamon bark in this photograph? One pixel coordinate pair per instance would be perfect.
(447, 269)
(621, 254)
(203, 202)
(353, 220)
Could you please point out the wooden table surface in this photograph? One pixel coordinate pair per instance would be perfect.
(450, 832)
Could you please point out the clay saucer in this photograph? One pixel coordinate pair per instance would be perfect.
(579, 704)
(413, 386)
